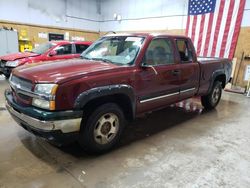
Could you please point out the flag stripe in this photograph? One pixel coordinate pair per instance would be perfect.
(190, 26)
(227, 27)
(200, 34)
(211, 39)
(187, 26)
(237, 28)
(222, 27)
(193, 27)
(197, 29)
(210, 24)
(217, 27)
(205, 32)
(232, 27)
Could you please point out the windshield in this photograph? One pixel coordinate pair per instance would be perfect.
(42, 48)
(121, 50)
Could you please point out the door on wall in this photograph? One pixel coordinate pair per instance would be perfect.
(54, 36)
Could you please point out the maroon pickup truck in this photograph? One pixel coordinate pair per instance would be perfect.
(118, 78)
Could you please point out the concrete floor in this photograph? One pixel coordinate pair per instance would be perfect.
(175, 147)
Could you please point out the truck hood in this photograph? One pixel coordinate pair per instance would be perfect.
(62, 71)
(20, 55)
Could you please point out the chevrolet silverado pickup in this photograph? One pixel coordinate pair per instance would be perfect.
(118, 78)
(50, 51)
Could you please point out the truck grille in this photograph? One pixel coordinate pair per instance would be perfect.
(18, 83)
(21, 83)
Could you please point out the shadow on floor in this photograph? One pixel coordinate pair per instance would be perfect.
(141, 128)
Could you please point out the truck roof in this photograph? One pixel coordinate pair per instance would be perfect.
(145, 34)
(60, 42)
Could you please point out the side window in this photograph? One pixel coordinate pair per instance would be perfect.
(159, 52)
(64, 49)
(184, 50)
(80, 48)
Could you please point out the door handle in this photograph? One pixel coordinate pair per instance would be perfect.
(176, 72)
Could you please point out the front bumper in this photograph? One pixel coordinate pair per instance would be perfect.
(59, 127)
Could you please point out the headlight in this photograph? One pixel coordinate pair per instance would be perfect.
(47, 92)
(12, 63)
(46, 89)
(41, 103)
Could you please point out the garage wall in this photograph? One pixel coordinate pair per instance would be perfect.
(77, 18)
(34, 30)
(143, 15)
(73, 14)
(148, 15)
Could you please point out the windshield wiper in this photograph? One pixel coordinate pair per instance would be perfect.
(101, 59)
(98, 59)
(82, 57)
(107, 61)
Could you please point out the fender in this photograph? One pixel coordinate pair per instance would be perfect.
(103, 91)
(214, 75)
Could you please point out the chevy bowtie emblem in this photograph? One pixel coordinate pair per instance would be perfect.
(18, 86)
(15, 85)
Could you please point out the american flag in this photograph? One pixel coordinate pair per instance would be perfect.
(214, 25)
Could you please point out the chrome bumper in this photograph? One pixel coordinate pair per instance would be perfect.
(66, 126)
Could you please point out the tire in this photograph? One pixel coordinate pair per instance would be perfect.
(211, 100)
(102, 129)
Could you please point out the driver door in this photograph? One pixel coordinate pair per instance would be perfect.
(159, 76)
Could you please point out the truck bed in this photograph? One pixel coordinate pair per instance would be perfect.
(211, 65)
(210, 59)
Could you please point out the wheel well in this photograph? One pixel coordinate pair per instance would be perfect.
(121, 100)
(221, 78)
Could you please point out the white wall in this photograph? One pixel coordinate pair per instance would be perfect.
(170, 14)
(60, 13)
(165, 14)
(245, 20)
(170, 11)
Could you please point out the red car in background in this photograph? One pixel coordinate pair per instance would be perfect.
(49, 51)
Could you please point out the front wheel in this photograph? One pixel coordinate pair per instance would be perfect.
(102, 129)
(211, 100)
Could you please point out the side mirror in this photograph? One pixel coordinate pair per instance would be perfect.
(143, 63)
(52, 53)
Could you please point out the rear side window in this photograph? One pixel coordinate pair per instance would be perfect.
(159, 52)
(185, 51)
(64, 49)
(80, 48)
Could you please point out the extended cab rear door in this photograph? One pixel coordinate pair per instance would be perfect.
(159, 75)
(189, 68)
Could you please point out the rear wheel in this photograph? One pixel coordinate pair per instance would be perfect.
(102, 129)
(211, 100)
